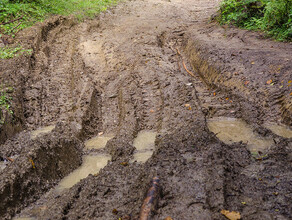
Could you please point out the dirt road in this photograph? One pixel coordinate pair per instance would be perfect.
(154, 66)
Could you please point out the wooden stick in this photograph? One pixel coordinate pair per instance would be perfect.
(8, 22)
(151, 200)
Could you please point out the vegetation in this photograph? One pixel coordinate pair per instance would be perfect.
(18, 14)
(5, 104)
(8, 52)
(274, 17)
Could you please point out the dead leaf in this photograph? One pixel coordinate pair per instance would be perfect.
(269, 82)
(231, 215)
(168, 218)
(100, 133)
(252, 62)
(246, 82)
(152, 111)
(124, 164)
(187, 105)
(227, 99)
(290, 81)
(32, 163)
(291, 93)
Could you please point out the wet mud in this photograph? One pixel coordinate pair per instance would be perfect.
(147, 89)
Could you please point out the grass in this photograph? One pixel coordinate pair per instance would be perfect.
(10, 52)
(274, 17)
(5, 104)
(16, 15)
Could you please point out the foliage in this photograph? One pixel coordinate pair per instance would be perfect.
(10, 52)
(271, 16)
(30, 11)
(5, 104)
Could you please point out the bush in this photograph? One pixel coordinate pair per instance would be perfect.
(271, 16)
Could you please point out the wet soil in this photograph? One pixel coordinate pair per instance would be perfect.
(150, 76)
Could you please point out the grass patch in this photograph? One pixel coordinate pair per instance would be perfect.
(5, 104)
(25, 13)
(16, 15)
(274, 17)
(10, 52)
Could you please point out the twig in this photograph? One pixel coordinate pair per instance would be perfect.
(10, 159)
(184, 65)
(8, 22)
(16, 26)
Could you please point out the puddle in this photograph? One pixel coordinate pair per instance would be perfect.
(280, 130)
(98, 142)
(144, 144)
(230, 130)
(91, 165)
(41, 131)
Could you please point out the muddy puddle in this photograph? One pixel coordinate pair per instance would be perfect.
(41, 131)
(280, 130)
(230, 130)
(98, 142)
(91, 165)
(144, 144)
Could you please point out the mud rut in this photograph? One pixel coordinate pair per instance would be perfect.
(121, 74)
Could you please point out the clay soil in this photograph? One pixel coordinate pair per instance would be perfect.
(124, 72)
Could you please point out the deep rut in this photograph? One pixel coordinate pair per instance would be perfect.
(122, 74)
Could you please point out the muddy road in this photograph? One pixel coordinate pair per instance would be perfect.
(148, 89)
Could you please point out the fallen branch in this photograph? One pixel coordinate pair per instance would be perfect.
(8, 22)
(151, 200)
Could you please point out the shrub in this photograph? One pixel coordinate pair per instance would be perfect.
(271, 16)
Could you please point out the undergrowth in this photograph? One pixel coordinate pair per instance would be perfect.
(18, 14)
(274, 17)
(5, 105)
(10, 52)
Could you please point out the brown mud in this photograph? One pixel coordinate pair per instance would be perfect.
(124, 73)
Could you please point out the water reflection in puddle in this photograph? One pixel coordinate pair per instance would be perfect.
(98, 142)
(230, 130)
(91, 165)
(41, 131)
(280, 130)
(144, 144)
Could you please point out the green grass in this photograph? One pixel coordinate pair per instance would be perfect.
(28, 12)
(10, 52)
(274, 17)
(5, 104)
